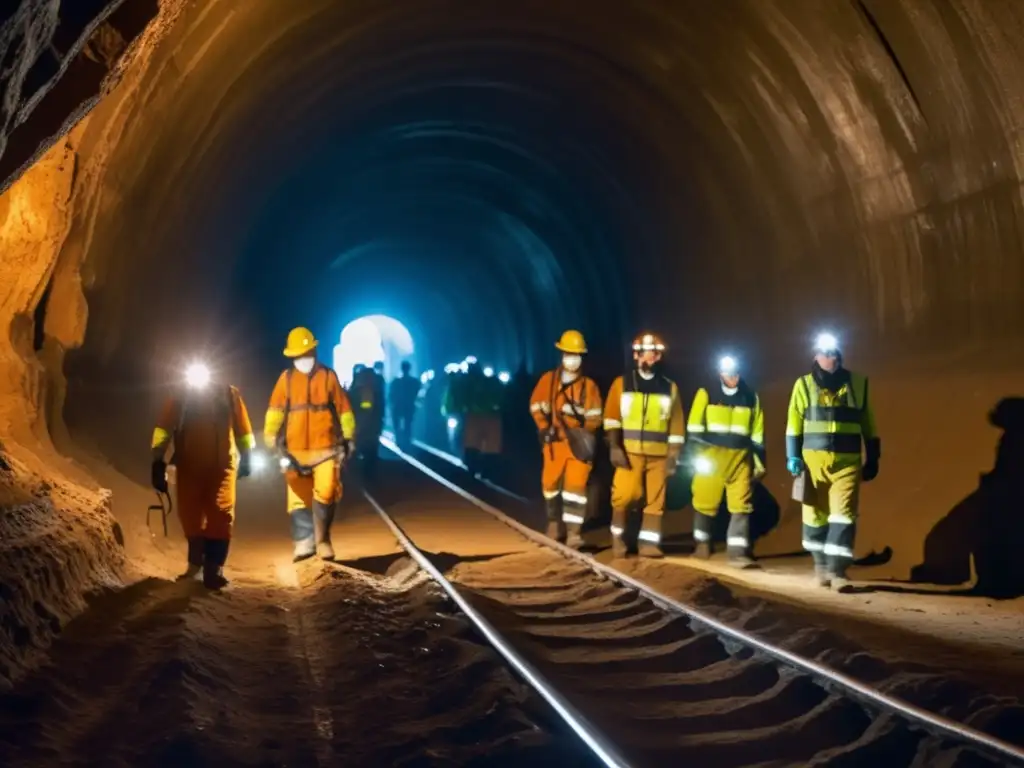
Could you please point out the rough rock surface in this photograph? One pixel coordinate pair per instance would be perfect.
(58, 543)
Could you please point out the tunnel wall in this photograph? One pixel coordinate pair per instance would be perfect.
(857, 163)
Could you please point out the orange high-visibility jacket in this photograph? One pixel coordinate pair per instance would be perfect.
(576, 404)
(313, 410)
(208, 429)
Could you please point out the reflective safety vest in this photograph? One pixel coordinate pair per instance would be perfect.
(728, 421)
(651, 421)
(834, 422)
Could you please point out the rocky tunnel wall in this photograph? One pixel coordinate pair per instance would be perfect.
(735, 174)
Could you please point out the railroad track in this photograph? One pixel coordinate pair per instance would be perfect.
(645, 680)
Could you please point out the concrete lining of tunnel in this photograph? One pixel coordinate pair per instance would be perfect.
(736, 176)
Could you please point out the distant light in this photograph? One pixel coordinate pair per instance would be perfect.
(430, 375)
(703, 465)
(826, 342)
(464, 367)
(451, 368)
(424, 378)
(452, 422)
(197, 375)
(470, 359)
(284, 463)
(488, 371)
(727, 365)
(257, 461)
(504, 377)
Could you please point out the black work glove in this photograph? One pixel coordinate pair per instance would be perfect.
(158, 475)
(546, 436)
(873, 451)
(244, 465)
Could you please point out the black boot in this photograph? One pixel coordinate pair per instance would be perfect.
(195, 559)
(323, 518)
(703, 546)
(738, 541)
(620, 547)
(556, 528)
(650, 536)
(303, 535)
(215, 554)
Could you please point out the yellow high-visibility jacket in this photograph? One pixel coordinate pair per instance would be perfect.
(734, 422)
(648, 412)
(831, 426)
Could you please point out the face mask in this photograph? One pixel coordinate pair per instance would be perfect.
(572, 363)
(305, 364)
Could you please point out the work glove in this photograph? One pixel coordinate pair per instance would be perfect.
(671, 464)
(873, 452)
(547, 436)
(244, 465)
(618, 457)
(795, 466)
(158, 475)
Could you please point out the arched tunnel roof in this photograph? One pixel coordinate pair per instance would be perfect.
(752, 167)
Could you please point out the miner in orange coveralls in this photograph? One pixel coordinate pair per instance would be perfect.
(310, 421)
(213, 443)
(566, 406)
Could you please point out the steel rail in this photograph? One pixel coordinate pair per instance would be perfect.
(930, 721)
(604, 751)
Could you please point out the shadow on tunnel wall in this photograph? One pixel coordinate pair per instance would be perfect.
(988, 525)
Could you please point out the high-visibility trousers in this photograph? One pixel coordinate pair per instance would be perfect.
(323, 486)
(565, 476)
(731, 472)
(481, 432)
(206, 501)
(645, 478)
(830, 522)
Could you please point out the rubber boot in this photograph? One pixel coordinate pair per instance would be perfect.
(738, 542)
(323, 518)
(195, 559)
(303, 535)
(556, 528)
(215, 554)
(620, 548)
(703, 546)
(650, 536)
(822, 574)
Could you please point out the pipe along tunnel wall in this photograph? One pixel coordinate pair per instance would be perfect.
(184, 174)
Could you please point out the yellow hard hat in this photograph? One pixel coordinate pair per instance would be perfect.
(573, 343)
(301, 341)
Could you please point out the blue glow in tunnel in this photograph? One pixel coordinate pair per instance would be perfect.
(371, 339)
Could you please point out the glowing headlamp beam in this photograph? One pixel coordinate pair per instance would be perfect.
(197, 375)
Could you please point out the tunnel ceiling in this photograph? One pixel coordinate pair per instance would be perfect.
(740, 170)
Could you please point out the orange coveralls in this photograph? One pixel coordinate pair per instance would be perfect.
(208, 428)
(316, 416)
(564, 477)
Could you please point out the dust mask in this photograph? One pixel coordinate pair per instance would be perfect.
(305, 364)
(572, 363)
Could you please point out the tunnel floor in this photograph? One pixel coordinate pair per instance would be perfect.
(284, 667)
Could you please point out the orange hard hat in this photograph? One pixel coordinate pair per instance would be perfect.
(646, 342)
(301, 342)
(572, 343)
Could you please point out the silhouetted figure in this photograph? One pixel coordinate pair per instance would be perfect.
(368, 404)
(988, 524)
(473, 405)
(402, 396)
